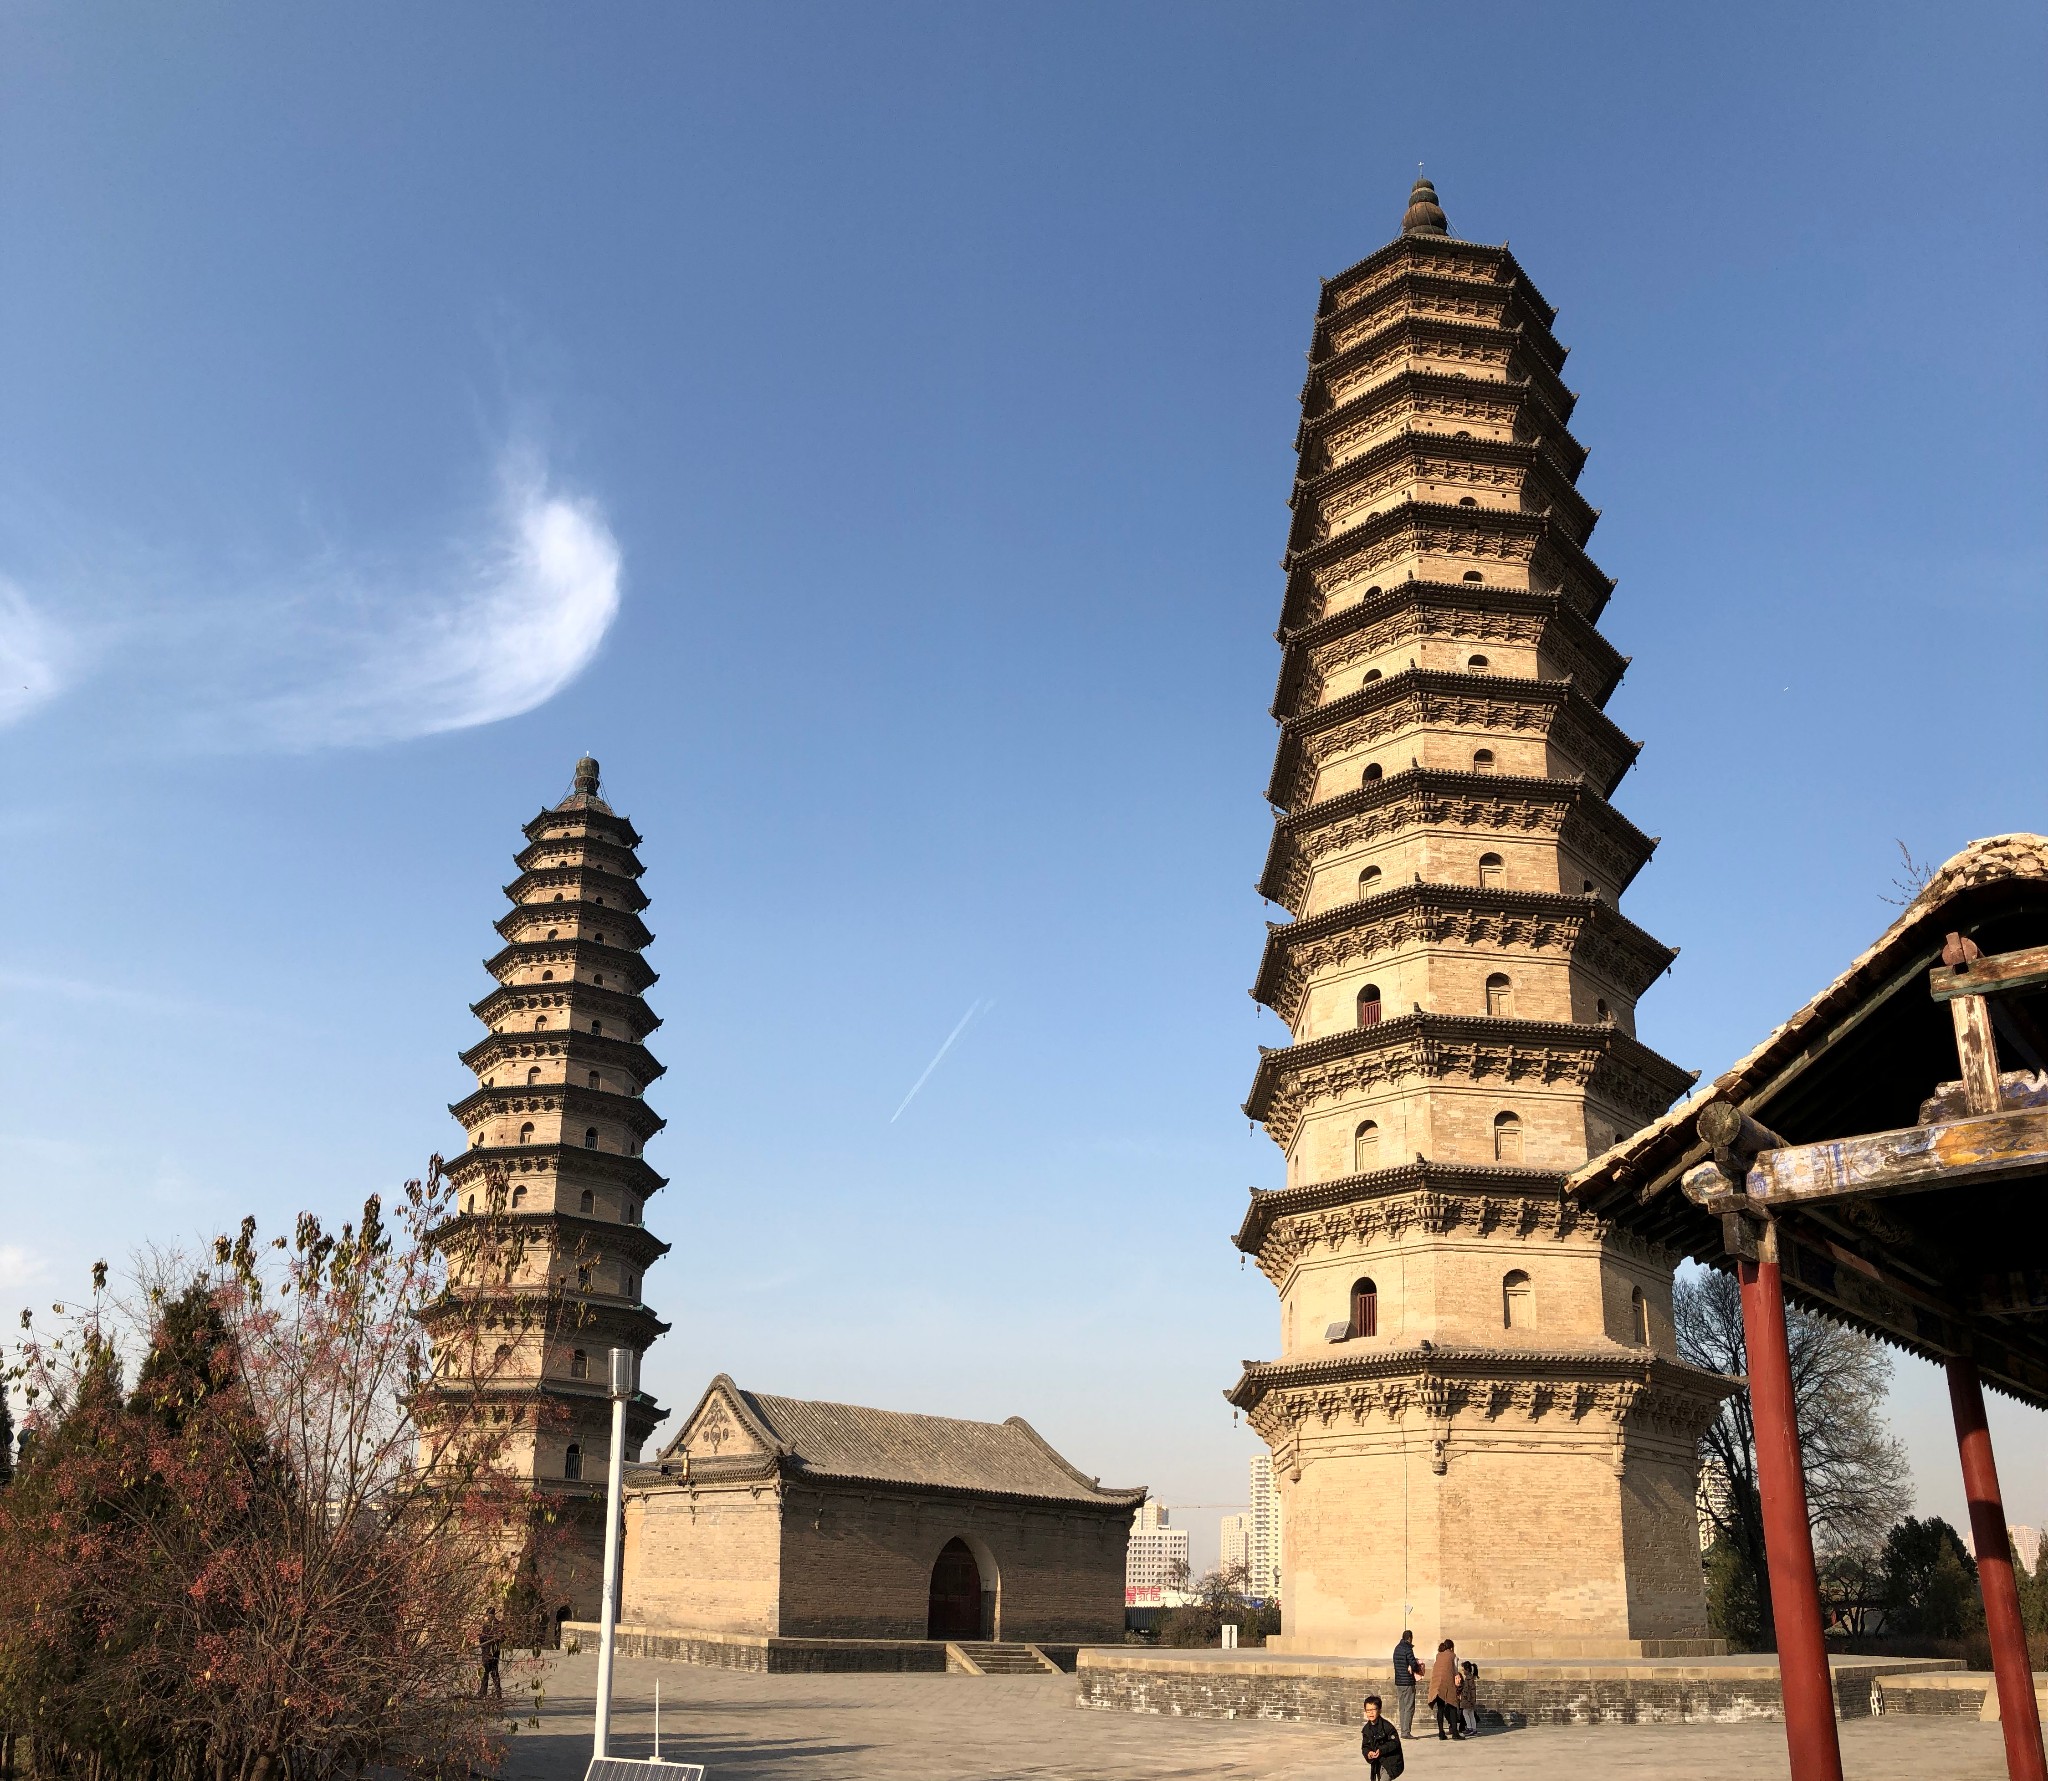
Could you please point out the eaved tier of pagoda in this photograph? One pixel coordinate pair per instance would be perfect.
(556, 1126)
(1478, 1419)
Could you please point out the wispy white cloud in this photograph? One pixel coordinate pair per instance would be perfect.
(347, 645)
(498, 624)
(33, 651)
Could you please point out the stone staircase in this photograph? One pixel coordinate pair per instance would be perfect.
(987, 1657)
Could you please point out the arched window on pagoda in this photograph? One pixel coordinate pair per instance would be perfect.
(1477, 664)
(1639, 1317)
(1482, 760)
(540, 1022)
(1602, 1013)
(526, 1133)
(572, 1463)
(1473, 575)
(518, 1198)
(579, 1364)
(1507, 1138)
(1369, 1005)
(1365, 1146)
(590, 1137)
(597, 1028)
(1517, 1301)
(1500, 996)
(1365, 1309)
(588, 1203)
(1373, 773)
(1369, 882)
(1492, 871)
(1371, 674)
(532, 1074)
(596, 1081)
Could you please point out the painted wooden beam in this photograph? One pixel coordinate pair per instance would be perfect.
(1982, 976)
(1960, 1152)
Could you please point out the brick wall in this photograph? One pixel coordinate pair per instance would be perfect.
(707, 1558)
(1203, 1688)
(857, 1564)
(815, 1561)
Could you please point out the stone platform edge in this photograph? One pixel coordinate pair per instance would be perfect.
(1512, 1691)
(775, 1656)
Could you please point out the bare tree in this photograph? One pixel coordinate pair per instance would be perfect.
(1857, 1482)
(1917, 875)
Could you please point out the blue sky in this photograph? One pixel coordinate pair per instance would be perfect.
(867, 429)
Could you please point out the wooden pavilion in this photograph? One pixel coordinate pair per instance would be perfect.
(1882, 1158)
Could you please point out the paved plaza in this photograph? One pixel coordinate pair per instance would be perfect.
(747, 1727)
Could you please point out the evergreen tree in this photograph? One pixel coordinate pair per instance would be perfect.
(1930, 1581)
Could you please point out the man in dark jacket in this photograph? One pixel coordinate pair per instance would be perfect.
(488, 1645)
(1407, 1672)
(1380, 1744)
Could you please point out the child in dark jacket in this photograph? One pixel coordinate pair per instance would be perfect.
(1380, 1743)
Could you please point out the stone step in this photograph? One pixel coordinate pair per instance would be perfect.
(993, 1658)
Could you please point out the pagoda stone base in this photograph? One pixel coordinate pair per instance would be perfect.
(1513, 1691)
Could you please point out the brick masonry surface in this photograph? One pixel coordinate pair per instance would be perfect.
(775, 1657)
(847, 1562)
(1512, 1695)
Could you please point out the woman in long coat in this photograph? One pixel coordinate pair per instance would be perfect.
(1443, 1692)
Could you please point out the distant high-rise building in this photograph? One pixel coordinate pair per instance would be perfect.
(1157, 1558)
(2026, 1545)
(1237, 1543)
(1262, 1532)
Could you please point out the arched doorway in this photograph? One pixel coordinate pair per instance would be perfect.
(956, 1610)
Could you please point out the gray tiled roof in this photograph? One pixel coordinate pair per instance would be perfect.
(941, 1452)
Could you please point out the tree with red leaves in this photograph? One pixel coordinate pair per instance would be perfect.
(273, 1556)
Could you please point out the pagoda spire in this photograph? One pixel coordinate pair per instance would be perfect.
(554, 1133)
(1459, 985)
(1424, 215)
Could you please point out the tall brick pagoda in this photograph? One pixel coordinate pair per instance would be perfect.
(1479, 1422)
(555, 1129)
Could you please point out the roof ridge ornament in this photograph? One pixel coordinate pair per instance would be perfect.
(1424, 215)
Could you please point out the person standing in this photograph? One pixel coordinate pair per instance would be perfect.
(488, 1647)
(1407, 1672)
(1468, 1694)
(1380, 1744)
(1443, 1692)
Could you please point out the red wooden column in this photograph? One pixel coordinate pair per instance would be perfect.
(2018, 1717)
(1804, 1680)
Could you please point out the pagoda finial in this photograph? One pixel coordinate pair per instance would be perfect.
(1424, 216)
(586, 777)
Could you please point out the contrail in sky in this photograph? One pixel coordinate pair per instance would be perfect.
(977, 1006)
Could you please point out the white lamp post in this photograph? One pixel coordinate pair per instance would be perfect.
(623, 1367)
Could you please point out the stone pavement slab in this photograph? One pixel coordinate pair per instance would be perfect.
(748, 1727)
